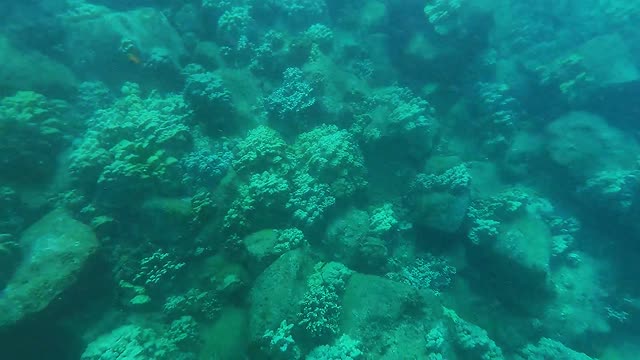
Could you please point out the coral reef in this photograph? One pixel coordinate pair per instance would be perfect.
(332, 157)
(315, 179)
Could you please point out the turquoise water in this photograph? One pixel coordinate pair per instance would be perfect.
(319, 179)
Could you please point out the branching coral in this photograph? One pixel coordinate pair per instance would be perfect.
(201, 304)
(263, 149)
(135, 343)
(288, 239)
(486, 215)
(208, 96)
(206, 165)
(293, 101)
(310, 200)
(133, 146)
(332, 156)
(235, 23)
(298, 13)
(345, 348)
(279, 344)
(133, 171)
(321, 306)
(155, 268)
(159, 121)
(320, 35)
(457, 179)
(499, 112)
(429, 272)
(258, 203)
(382, 220)
(440, 201)
(269, 54)
(394, 115)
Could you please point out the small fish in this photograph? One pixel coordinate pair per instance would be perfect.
(134, 58)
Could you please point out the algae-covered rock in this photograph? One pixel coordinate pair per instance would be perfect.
(382, 314)
(609, 60)
(128, 41)
(346, 235)
(580, 309)
(547, 349)
(170, 219)
(511, 248)
(265, 246)
(260, 246)
(56, 250)
(22, 69)
(585, 144)
(470, 341)
(277, 293)
(440, 201)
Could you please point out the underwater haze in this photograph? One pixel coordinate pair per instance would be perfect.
(319, 179)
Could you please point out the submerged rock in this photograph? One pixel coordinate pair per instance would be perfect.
(440, 202)
(383, 315)
(122, 45)
(277, 293)
(17, 72)
(550, 349)
(56, 250)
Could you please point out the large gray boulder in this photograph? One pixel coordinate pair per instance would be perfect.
(440, 201)
(387, 317)
(55, 251)
(22, 69)
(548, 349)
(122, 44)
(277, 293)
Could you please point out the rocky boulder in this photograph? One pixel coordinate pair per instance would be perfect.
(56, 250)
(125, 45)
(277, 293)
